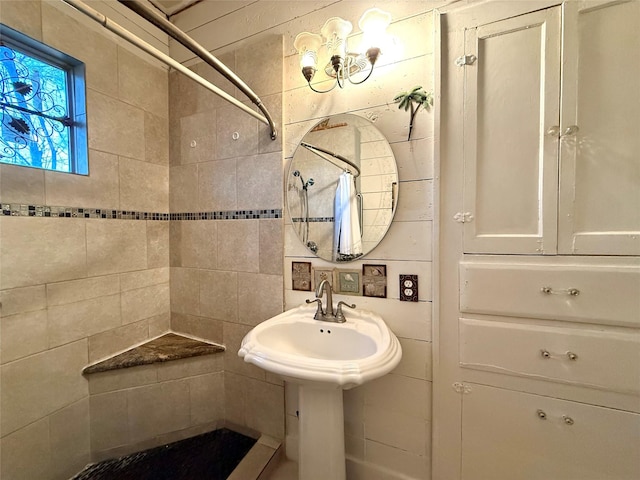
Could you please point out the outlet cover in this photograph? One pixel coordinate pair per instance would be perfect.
(408, 288)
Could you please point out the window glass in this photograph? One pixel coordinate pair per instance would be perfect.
(42, 113)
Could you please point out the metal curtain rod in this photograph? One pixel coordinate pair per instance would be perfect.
(315, 149)
(166, 59)
(174, 32)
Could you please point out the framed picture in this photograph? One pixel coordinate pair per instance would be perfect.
(374, 280)
(347, 282)
(301, 276)
(320, 274)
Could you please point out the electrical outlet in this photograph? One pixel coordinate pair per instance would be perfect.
(408, 288)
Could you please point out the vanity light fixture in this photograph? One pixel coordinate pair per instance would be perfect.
(343, 64)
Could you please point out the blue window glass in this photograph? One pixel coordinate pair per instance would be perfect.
(43, 120)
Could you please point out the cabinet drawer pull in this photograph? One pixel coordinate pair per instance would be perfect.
(567, 420)
(541, 415)
(545, 353)
(572, 356)
(573, 292)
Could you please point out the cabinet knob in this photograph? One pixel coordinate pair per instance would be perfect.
(572, 356)
(554, 131)
(545, 353)
(567, 420)
(541, 415)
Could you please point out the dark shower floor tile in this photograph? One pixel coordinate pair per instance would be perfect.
(211, 456)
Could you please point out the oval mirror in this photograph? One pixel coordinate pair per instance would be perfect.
(342, 188)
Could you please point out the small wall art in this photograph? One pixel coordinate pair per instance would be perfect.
(320, 274)
(347, 282)
(301, 276)
(374, 280)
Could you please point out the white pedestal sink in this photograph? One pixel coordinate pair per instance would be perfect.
(322, 358)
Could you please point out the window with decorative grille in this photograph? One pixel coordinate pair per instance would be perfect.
(42, 102)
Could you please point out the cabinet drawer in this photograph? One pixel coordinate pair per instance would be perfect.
(591, 357)
(511, 435)
(602, 294)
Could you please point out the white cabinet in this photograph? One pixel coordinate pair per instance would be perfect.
(513, 435)
(537, 368)
(552, 99)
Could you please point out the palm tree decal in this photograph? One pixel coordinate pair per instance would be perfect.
(413, 100)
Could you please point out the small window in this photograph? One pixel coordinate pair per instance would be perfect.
(42, 97)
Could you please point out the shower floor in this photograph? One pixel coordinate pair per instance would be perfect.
(210, 456)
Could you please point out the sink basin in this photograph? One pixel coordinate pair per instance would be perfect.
(299, 348)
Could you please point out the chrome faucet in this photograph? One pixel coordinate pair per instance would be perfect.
(327, 314)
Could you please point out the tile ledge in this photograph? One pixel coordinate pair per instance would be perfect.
(166, 348)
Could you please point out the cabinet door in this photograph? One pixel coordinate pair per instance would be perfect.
(510, 161)
(599, 204)
(511, 435)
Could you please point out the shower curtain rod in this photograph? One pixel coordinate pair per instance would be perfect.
(166, 59)
(315, 149)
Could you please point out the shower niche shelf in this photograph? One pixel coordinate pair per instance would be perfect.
(166, 348)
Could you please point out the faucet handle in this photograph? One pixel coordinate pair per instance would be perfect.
(339, 314)
(319, 313)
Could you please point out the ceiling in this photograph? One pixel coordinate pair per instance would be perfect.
(171, 7)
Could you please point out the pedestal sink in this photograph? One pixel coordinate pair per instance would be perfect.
(322, 358)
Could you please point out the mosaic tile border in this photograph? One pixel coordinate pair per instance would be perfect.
(25, 210)
(312, 219)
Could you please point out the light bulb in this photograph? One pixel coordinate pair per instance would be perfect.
(307, 44)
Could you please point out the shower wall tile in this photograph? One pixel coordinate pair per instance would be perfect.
(185, 291)
(26, 453)
(145, 302)
(20, 184)
(156, 139)
(79, 320)
(183, 188)
(206, 398)
(273, 103)
(149, 417)
(206, 100)
(31, 390)
(239, 245)
(217, 186)
(183, 100)
(255, 175)
(237, 135)
(23, 334)
(233, 335)
(260, 297)
(198, 137)
(142, 84)
(115, 126)
(193, 243)
(199, 327)
(143, 186)
(113, 380)
(70, 439)
(70, 36)
(109, 420)
(62, 293)
(114, 247)
(159, 325)
(116, 340)
(190, 367)
(271, 246)
(157, 244)
(219, 295)
(23, 300)
(28, 256)
(265, 413)
(268, 77)
(99, 189)
(24, 16)
(144, 278)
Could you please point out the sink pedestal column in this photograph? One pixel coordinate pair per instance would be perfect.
(321, 441)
